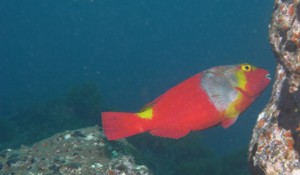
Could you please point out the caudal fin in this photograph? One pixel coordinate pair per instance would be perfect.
(117, 125)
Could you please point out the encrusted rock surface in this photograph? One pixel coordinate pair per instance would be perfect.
(83, 151)
(275, 145)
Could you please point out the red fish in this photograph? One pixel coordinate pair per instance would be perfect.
(215, 96)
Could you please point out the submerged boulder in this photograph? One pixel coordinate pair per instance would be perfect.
(83, 151)
(275, 144)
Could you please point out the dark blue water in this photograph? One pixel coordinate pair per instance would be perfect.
(133, 50)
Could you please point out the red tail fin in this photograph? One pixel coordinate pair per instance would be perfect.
(117, 125)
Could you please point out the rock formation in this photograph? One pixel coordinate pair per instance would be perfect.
(275, 145)
(84, 151)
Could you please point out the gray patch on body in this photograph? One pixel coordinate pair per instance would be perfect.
(219, 84)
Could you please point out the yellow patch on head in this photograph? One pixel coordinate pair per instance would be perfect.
(146, 113)
(241, 82)
(240, 74)
(241, 77)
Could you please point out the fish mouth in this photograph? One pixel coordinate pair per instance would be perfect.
(268, 76)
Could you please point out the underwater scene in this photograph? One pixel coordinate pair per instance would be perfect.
(65, 62)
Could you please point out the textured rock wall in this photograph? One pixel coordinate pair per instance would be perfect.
(275, 145)
(80, 152)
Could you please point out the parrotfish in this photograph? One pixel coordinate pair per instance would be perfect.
(215, 96)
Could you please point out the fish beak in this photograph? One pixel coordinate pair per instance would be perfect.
(268, 76)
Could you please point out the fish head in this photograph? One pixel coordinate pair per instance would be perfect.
(248, 79)
(231, 89)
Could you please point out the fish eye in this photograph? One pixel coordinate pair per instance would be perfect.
(246, 67)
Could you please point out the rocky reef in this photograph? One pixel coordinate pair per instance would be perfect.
(275, 145)
(84, 151)
(54, 145)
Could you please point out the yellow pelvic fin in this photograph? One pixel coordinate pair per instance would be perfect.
(147, 113)
(232, 111)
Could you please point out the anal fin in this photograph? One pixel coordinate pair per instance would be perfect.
(169, 133)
